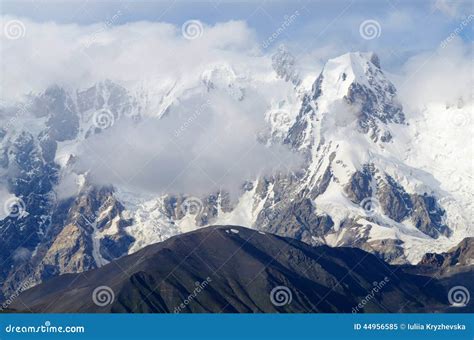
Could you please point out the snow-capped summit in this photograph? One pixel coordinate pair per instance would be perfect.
(341, 72)
(224, 77)
(350, 94)
(283, 63)
(358, 188)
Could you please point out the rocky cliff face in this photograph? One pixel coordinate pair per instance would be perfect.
(42, 233)
(461, 255)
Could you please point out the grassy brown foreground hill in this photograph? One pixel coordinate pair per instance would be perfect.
(233, 269)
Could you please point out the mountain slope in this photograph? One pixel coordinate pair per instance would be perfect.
(454, 270)
(361, 184)
(236, 270)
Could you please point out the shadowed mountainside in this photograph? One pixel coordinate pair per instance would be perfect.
(234, 269)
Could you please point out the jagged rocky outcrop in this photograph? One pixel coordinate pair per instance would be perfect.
(395, 203)
(454, 271)
(85, 232)
(284, 65)
(45, 235)
(460, 255)
(30, 177)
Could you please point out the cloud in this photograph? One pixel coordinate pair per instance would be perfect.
(5, 198)
(452, 9)
(202, 145)
(441, 76)
(78, 56)
(69, 185)
(208, 138)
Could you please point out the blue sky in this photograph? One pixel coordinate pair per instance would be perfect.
(407, 27)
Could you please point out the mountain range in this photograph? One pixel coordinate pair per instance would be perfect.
(373, 176)
(231, 269)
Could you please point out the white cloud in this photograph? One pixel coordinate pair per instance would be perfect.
(447, 7)
(200, 146)
(78, 56)
(441, 76)
(206, 141)
(5, 197)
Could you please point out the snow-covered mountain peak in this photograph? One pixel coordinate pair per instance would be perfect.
(224, 77)
(284, 64)
(219, 73)
(341, 72)
(351, 95)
